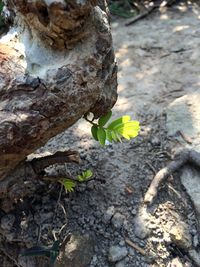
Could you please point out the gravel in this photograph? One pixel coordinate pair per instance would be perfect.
(117, 253)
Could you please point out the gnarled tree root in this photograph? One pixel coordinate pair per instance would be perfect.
(180, 159)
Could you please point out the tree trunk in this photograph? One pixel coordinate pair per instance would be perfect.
(56, 64)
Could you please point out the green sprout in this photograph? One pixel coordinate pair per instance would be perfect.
(85, 176)
(70, 184)
(122, 127)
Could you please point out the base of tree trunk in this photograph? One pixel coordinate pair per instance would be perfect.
(57, 64)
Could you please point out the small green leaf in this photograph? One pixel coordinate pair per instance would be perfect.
(126, 136)
(104, 119)
(101, 134)
(85, 175)
(118, 122)
(114, 136)
(128, 130)
(68, 184)
(118, 137)
(94, 130)
(80, 178)
(109, 135)
(88, 174)
(130, 124)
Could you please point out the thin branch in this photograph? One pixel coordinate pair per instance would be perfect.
(141, 15)
(151, 167)
(149, 10)
(90, 121)
(136, 247)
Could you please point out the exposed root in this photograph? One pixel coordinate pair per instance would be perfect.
(183, 157)
(39, 164)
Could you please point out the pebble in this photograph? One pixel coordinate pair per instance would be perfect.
(94, 260)
(155, 141)
(117, 220)
(91, 185)
(122, 243)
(76, 208)
(117, 253)
(81, 188)
(131, 252)
(120, 264)
(108, 214)
(196, 240)
(140, 230)
(133, 212)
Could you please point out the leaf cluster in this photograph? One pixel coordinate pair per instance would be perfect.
(122, 127)
(70, 184)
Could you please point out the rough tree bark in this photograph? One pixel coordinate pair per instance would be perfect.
(56, 64)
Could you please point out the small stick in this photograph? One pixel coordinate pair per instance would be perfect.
(136, 247)
(149, 10)
(141, 16)
(151, 167)
(185, 137)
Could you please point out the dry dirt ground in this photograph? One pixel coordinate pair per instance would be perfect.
(159, 84)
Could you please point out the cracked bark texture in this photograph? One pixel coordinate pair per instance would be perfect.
(56, 64)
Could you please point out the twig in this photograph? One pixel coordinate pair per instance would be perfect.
(56, 210)
(167, 3)
(142, 15)
(149, 10)
(151, 167)
(185, 156)
(61, 229)
(164, 152)
(59, 197)
(39, 233)
(136, 247)
(90, 121)
(64, 211)
(185, 137)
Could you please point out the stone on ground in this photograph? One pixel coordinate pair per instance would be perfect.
(117, 253)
